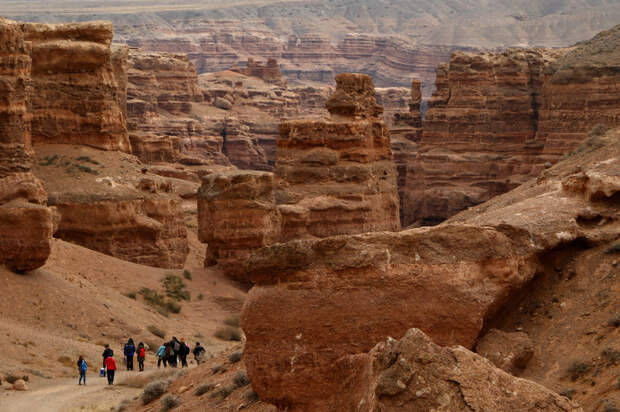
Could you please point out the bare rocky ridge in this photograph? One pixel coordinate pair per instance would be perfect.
(445, 280)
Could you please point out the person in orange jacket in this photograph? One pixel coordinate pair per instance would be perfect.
(110, 365)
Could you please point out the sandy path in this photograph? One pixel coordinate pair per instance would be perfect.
(64, 395)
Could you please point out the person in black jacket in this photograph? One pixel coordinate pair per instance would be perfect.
(199, 353)
(183, 352)
(107, 352)
(175, 347)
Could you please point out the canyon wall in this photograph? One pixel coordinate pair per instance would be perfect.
(497, 119)
(78, 92)
(25, 222)
(331, 177)
(320, 305)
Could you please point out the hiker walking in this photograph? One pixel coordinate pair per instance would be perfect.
(82, 367)
(110, 365)
(161, 355)
(107, 352)
(141, 356)
(130, 350)
(175, 345)
(199, 353)
(183, 352)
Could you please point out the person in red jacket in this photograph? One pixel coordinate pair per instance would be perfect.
(141, 356)
(110, 365)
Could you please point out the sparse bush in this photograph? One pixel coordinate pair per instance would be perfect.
(241, 379)
(233, 321)
(202, 389)
(222, 392)
(153, 391)
(610, 406)
(235, 357)
(615, 248)
(10, 378)
(159, 302)
(228, 333)
(131, 295)
(569, 393)
(123, 406)
(86, 169)
(215, 369)
(251, 396)
(598, 130)
(142, 380)
(611, 356)
(187, 274)
(578, 368)
(175, 288)
(168, 402)
(156, 331)
(614, 321)
(201, 296)
(48, 160)
(87, 159)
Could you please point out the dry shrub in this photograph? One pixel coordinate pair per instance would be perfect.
(156, 331)
(153, 391)
(233, 321)
(202, 389)
(241, 379)
(235, 357)
(66, 361)
(578, 368)
(168, 402)
(229, 333)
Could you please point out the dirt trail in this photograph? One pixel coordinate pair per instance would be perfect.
(64, 395)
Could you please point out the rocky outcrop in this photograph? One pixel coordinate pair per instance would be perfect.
(498, 119)
(414, 374)
(237, 215)
(78, 93)
(25, 222)
(317, 302)
(510, 351)
(269, 72)
(339, 174)
(163, 125)
(332, 177)
(405, 131)
(148, 230)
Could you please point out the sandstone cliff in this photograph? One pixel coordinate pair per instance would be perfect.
(78, 91)
(497, 119)
(331, 177)
(317, 301)
(25, 221)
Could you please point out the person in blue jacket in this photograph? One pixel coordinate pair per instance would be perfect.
(82, 367)
(130, 350)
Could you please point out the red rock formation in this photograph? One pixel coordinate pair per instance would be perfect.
(77, 89)
(414, 374)
(317, 302)
(25, 222)
(237, 215)
(479, 134)
(405, 131)
(162, 90)
(333, 177)
(339, 174)
(269, 72)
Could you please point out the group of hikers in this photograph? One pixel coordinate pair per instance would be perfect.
(169, 353)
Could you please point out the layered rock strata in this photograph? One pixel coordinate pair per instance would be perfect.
(237, 214)
(78, 86)
(25, 222)
(317, 302)
(339, 175)
(163, 125)
(497, 119)
(332, 177)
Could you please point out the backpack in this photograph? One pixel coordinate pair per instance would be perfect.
(141, 353)
(83, 366)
